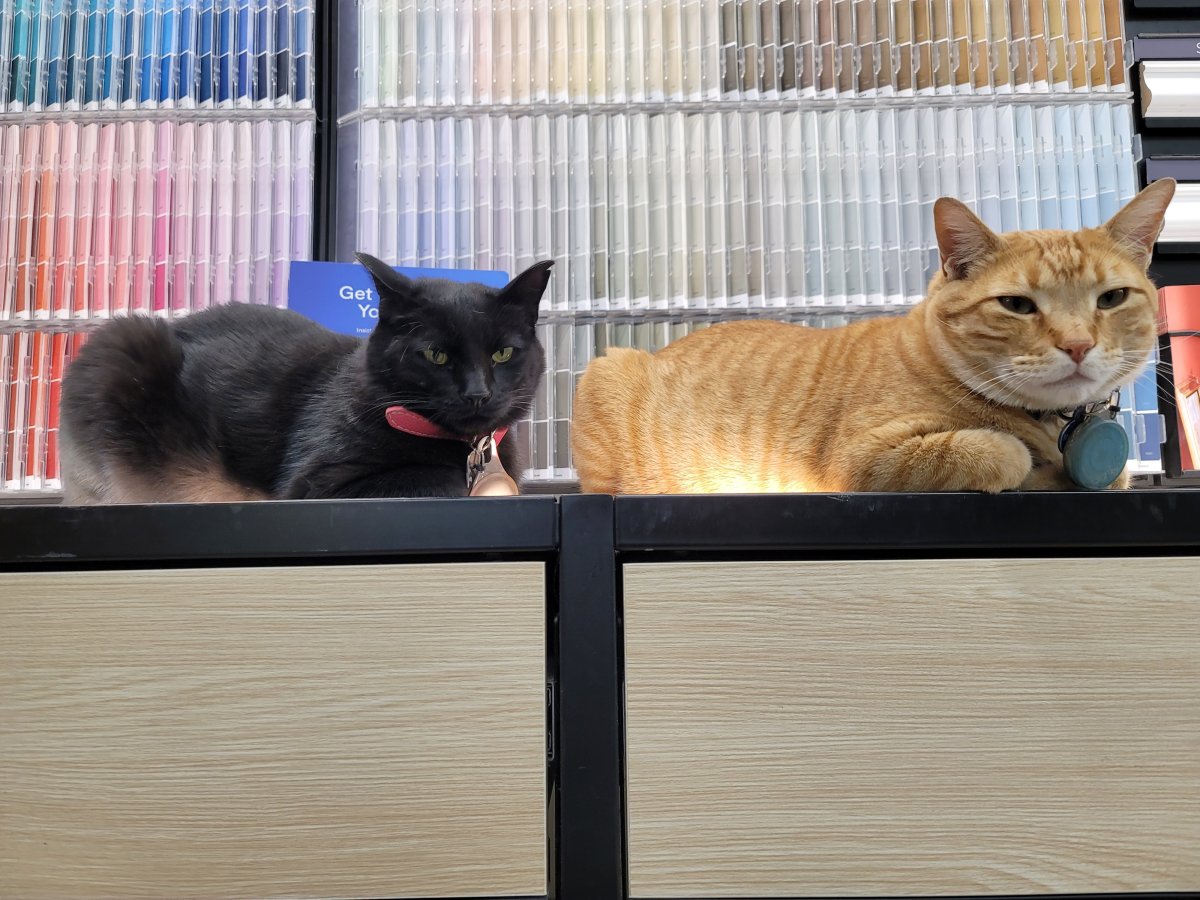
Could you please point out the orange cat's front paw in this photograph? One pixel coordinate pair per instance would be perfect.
(973, 459)
(988, 461)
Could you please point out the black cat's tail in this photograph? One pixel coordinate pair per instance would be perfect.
(123, 398)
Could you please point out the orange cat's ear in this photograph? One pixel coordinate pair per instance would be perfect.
(964, 241)
(1137, 225)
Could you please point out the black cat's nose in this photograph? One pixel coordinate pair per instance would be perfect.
(478, 398)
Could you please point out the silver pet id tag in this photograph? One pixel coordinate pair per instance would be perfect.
(486, 476)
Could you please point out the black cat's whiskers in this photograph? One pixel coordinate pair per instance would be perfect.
(379, 407)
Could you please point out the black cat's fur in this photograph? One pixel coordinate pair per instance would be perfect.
(249, 402)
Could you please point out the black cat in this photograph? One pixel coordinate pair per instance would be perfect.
(250, 402)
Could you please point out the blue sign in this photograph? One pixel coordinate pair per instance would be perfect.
(342, 296)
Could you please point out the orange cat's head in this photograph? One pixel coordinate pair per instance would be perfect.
(1046, 320)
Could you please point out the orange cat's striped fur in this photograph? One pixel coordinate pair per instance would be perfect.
(940, 399)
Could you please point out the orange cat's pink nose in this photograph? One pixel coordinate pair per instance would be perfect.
(1077, 350)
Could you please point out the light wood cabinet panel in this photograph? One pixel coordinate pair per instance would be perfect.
(345, 731)
(913, 727)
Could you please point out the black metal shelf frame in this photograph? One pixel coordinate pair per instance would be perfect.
(585, 540)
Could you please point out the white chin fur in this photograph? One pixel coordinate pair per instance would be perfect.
(1045, 394)
(1062, 390)
(1063, 396)
(1037, 393)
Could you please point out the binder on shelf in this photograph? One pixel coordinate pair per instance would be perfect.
(1175, 46)
(1181, 168)
(1170, 93)
(1181, 227)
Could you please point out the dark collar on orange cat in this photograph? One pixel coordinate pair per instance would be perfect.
(409, 422)
(1111, 404)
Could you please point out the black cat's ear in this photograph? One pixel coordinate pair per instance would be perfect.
(964, 241)
(525, 291)
(396, 291)
(1137, 224)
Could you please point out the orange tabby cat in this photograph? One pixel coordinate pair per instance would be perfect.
(941, 399)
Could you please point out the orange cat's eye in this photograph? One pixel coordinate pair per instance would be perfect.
(1022, 305)
(1112, 298)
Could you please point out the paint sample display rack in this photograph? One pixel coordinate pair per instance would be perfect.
(156, 158)
(684, 162)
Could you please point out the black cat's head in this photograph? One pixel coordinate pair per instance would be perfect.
(464, 355)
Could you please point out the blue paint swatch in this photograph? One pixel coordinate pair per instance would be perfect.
(93, 69)
(110, 68)
(147, 51)
(131, 37)
(302, 51)
(262, 50)
(206, 34)
(282, 12)
(224, 50)
(244, 30)
(56, 58)
(168, 51)
(185, 78)
(19, 76)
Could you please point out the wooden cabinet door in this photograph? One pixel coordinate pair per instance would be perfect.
(350, 731)
(1006, 726)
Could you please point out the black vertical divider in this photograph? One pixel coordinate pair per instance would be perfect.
(586, 816)
(325, 89)
(1165, 381)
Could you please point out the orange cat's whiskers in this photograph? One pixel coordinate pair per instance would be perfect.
(1016, 389)
(1009, 389)
(998, 381)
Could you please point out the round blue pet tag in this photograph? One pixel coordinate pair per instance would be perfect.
(1095, 453)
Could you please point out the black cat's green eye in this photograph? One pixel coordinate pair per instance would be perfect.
(503, 355)
(1022, 305)
(436, 356)
(1112, 298)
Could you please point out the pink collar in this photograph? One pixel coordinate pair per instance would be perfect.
(416, 424)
